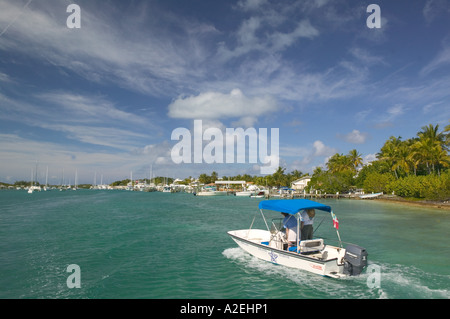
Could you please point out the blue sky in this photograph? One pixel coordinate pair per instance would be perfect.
(104, 99)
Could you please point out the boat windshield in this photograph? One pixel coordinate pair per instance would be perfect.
(276, 225)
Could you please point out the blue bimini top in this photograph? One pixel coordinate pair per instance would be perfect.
(292, 206)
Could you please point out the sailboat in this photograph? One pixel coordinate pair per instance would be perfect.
(45, 188)
(75, 187)
(33, 186)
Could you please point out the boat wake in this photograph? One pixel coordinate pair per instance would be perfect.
(393, 281)
(400, 281)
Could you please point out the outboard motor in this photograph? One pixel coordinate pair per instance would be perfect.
(355, 259)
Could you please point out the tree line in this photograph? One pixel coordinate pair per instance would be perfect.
(278, 179)
(416, 167)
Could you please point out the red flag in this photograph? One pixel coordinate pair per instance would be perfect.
(335, 221)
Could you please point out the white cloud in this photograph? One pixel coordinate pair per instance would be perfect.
(250, 5)
(355, 137)
(273, 41)
(307, 158)
(5, 78)
(442, 59)
(120, 48)
(114, 47)
(395, 111)
(21, 155)
(431, 107)
(369, 158)
(304, 29)
(87, 119)
(89, 109)
(387, 118)
(435, 8)
(320, 149)
(217, 106)
(366, 58)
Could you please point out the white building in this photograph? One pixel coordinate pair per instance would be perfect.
(301, 183)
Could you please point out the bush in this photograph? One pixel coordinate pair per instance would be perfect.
(330, 183)
(430, 187)
(376, 182)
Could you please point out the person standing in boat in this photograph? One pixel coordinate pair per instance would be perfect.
(306, 224)
(290, 224)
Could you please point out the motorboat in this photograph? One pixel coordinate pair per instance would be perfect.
(34, 188)
(313, 255)
(210, 191)
(246, 193)
(250, 191)
(167, 189)
(370, 196)
(260, 194)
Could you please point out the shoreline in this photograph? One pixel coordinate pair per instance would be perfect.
(418, 203)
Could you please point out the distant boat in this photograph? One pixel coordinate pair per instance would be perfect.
(45, 188)
(369, 196)
(253, 190)
(75, 187)
(210, 191)
(33, 187)
(260, 194)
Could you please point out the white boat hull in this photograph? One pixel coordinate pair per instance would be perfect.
(369, 196)
(327, 262)
(245, 194)
(33, 189)
(213, 193)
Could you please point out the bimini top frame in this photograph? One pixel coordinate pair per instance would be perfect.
(293, 207)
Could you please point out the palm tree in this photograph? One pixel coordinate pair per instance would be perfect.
(439, 159)
(389, 153)
(447, 136)
(416, 155)
(278, 177)
(214, 177)
(432, 148)
(402, 160)
(355, 158)
(339, 163)
(431, 132)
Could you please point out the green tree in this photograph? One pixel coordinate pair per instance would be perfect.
(391, 154)
(214, 177)
(355, 159)
(279, 178)
(339, 163)
(376, 182)
(430, 149)
(204, 179)
(447, 137)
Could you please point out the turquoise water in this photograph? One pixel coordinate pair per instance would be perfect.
(175, 246)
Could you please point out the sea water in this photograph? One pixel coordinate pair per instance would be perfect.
(175, 246)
